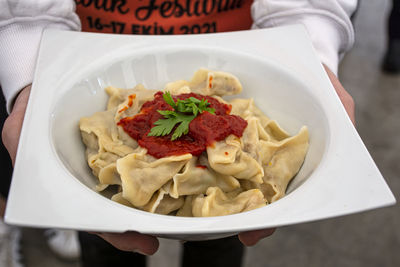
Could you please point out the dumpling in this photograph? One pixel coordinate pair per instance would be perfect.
(216, 203)
(121, 200)
(285, 163)
(128, 102)
(102, 129)
(177, 87)
(109, 175)
(162, 203)
(142, 175)
(186, 209)
(228, 158)
(262, 143)
(282, 161)
(250, 139)
(246, 108)
(169, 204)
(197, 178)
(118, 96)
(103, 146)
(207, 82)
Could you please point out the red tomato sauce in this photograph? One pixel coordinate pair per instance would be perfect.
(204, 130)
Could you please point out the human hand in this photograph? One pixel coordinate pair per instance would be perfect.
(13, 124)
(132, 241)
(252, 237)
(346, 99)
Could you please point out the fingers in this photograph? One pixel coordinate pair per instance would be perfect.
(11, 132)
(346, 99)
(132, 241)
(252, 237)
(22, 100)
(13, 124)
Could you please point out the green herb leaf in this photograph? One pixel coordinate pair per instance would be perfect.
(163, 127)
(182, 129)
(195, 100)
(167, 113)
(169, 100)
(211, 110)
(184, 112)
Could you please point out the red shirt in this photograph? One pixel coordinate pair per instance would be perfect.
(164, 16)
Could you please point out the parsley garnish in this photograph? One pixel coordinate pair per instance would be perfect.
(184, 112)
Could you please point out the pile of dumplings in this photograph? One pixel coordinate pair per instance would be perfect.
(241, 174)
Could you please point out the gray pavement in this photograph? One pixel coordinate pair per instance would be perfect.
(368, 239)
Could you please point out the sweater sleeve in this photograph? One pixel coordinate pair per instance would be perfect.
(21, 25)
(327, 22)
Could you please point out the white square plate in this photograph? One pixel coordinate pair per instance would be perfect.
(52, 185)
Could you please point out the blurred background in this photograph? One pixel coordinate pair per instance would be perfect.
(368, 239)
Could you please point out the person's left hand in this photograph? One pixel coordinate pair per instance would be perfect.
(346, 99)
(252, 237)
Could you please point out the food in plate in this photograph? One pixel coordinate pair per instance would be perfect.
(186, 151)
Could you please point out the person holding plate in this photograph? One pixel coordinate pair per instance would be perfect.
(22, 23)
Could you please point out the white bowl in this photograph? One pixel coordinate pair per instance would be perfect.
(338, 176)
